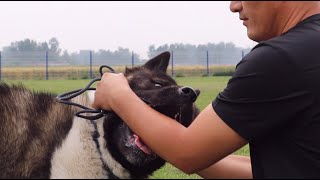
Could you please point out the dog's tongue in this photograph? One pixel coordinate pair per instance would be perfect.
(141, 145)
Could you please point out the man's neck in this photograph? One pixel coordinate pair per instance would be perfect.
(298, 13)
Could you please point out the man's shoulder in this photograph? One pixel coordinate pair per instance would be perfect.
(305, 35)
(300, 42)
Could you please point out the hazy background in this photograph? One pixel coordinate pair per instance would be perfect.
(110, 25)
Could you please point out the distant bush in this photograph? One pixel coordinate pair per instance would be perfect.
(180, 75)
(85, 76)
(223, 71)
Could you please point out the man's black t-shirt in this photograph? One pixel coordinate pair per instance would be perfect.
(273, 101)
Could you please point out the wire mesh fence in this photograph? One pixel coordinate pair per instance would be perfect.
(43, 65)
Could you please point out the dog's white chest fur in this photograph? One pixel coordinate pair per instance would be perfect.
(78, 156)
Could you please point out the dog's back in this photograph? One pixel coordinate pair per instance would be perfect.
(30, 127)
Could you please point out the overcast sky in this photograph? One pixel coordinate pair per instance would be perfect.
(109, 25)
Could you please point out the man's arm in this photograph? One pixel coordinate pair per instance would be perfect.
(231, 167)
(206, 141)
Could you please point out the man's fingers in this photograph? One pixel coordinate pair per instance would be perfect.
(94, 103)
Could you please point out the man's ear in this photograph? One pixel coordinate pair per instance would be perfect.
(159, 62)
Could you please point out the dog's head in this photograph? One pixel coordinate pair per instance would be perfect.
(152, 84)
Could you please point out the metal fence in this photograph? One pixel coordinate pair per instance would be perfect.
(85, 65)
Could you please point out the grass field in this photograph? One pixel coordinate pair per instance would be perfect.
(209, 87)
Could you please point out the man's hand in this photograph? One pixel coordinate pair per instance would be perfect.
(108, 89)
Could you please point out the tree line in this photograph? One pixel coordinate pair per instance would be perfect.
(29, 52)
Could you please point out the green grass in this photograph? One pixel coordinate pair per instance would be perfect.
(209, 87)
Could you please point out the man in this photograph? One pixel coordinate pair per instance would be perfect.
(272, 102)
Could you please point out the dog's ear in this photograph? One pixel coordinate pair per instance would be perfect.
(128, 70)
(159, 62)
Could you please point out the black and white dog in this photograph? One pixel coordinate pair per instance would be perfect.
(41, 138)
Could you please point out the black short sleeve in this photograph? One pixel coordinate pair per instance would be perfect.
(273, 101)
(263, 94)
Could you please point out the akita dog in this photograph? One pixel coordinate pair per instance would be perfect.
(41, 138)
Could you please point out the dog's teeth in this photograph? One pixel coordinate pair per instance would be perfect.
(177, 116)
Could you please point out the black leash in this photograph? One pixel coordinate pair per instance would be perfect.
(66, 97)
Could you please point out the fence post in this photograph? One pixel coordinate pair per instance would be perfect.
(0, 66)
(172, 71)
(132, 59)
(47, 65)
(207, 63)
(242, 54)
(91, 76)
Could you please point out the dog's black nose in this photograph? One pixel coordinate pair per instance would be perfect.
(190, 93)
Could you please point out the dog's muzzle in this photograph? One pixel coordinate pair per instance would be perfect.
(189, 92)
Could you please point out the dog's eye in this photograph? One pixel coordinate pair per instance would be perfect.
(157, 85)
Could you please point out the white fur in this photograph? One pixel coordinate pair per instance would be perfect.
(91, 96)
(78, 156)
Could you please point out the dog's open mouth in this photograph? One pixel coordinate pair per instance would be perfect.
(136, 141)
(173, 111)
(140, 144)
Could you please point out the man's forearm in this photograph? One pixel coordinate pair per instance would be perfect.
(231, 167)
